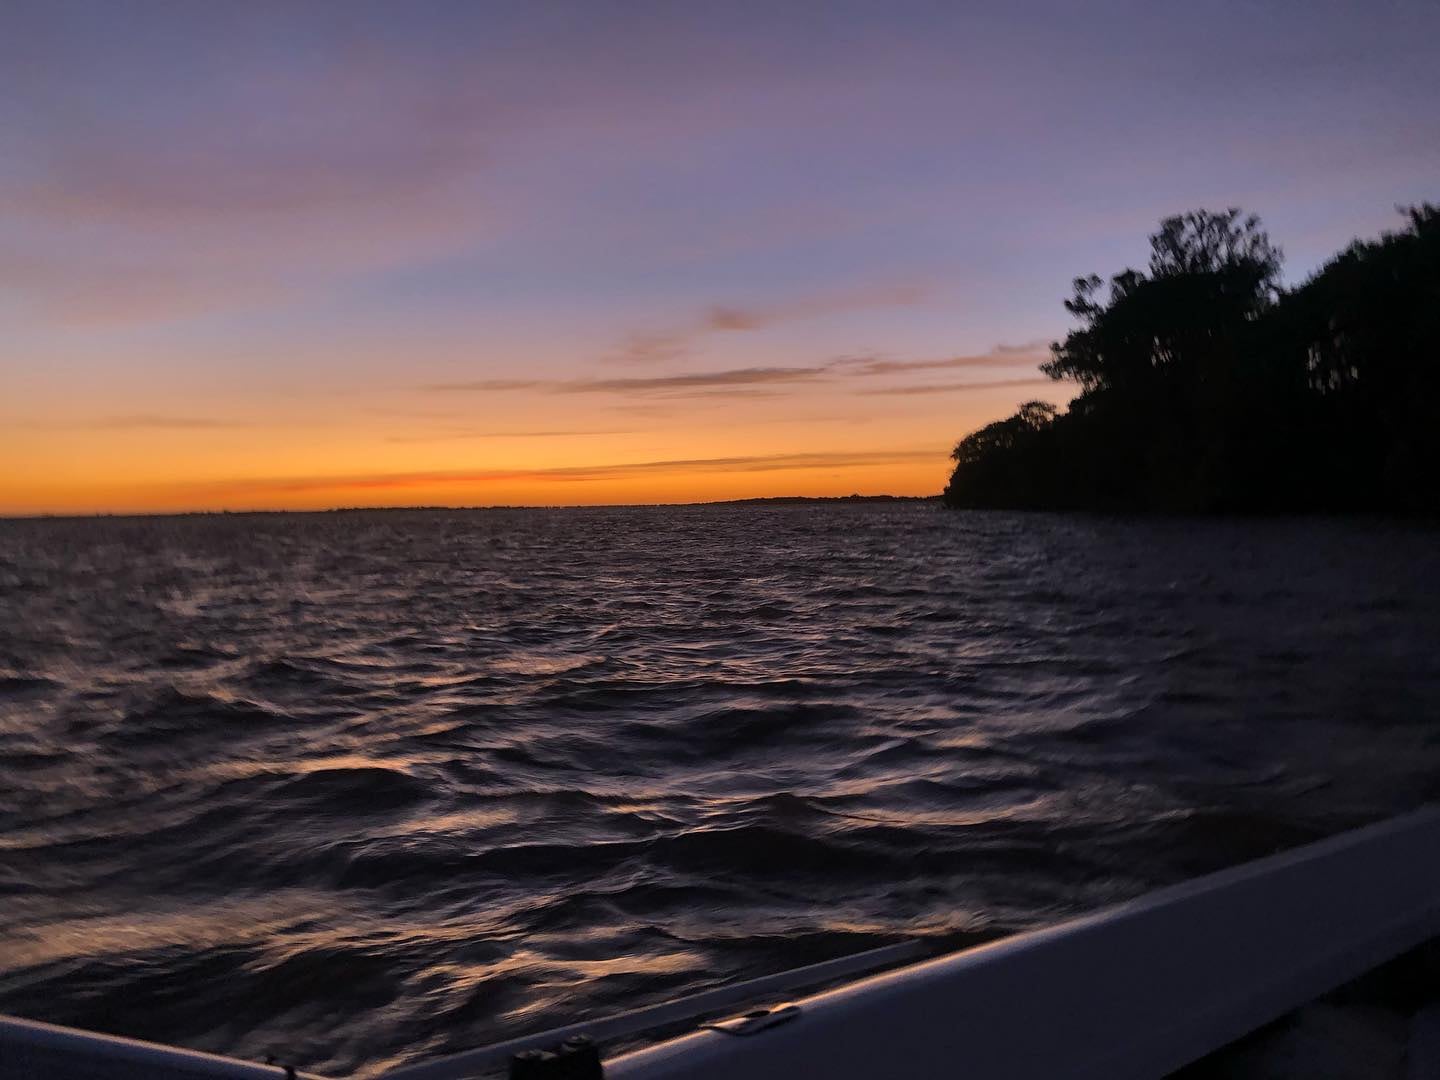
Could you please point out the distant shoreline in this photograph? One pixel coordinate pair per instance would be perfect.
(767, 500)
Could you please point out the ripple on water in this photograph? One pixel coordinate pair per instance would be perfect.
(358, 788)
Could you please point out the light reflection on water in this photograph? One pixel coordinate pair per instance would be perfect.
(359, 788)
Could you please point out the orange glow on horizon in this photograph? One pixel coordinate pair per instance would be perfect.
(380, 447)
(921, 474)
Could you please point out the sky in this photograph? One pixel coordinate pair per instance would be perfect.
(267, 256)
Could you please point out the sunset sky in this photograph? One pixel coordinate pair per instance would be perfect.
(306, 255)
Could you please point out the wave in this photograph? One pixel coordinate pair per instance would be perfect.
(172, 714)
(365, 787)
(352, 791)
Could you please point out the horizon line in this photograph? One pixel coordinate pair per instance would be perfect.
(435, 507)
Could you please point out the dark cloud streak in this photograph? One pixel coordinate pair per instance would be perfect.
(137, 422)
(699, 380)
(652, 348)
(465, 434)
(754, 381)
(949, 388)
(744, 463)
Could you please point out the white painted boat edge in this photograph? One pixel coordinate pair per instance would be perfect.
(666, 1013)
(31, 1050)
(1135, 991)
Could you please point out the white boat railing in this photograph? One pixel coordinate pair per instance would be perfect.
(30, 1050)
(1131, 993)
(666, 1014)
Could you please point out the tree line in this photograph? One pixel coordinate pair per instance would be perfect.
(1206, 386)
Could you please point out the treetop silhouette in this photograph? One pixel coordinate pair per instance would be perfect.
(1207, 386)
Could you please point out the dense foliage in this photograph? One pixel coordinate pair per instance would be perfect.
(1205, 386)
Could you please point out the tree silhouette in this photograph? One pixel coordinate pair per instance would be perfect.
(1210, 275)
(1206, 386)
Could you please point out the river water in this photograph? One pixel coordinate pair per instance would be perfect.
(361, 788)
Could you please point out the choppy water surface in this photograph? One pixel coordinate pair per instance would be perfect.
(361, 788)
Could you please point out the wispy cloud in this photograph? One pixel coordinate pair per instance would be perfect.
(371, 157)
(752, 381)
(132, 213)
(652, 348)
(210, 175)
(655, 347)
(799, 462)
(699, 380)
(1026, 355)
(448, 436)
(493, 385)
(344, 130)
(758, 317)
(89, 278)
(1036, 345)
(135, 422)
(140, 421)
(103, 288)
(951, 388)
(662, 384)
